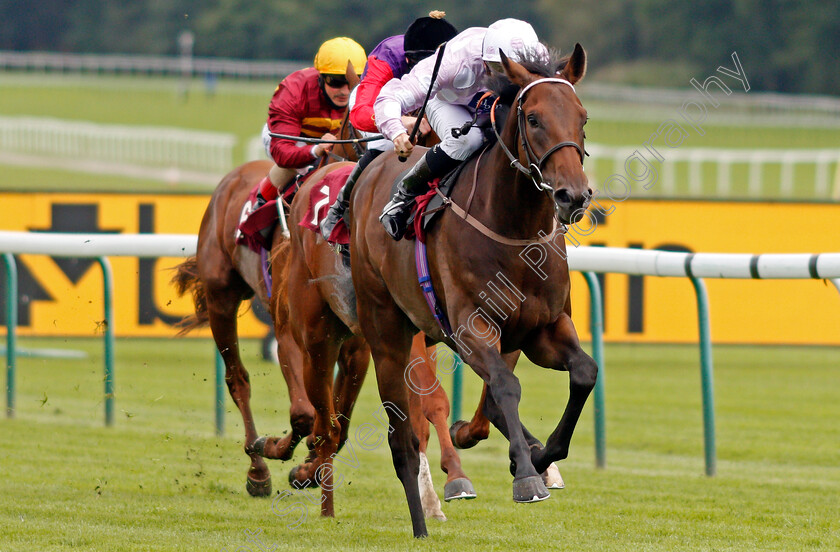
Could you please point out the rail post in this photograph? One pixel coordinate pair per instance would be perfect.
(11, 330)
(108, 296)
(596, 328)
(706, 375)
(457, 386)
(220, 394)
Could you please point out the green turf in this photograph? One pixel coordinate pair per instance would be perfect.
(160, 480)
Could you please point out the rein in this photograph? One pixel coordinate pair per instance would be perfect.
(306, 140)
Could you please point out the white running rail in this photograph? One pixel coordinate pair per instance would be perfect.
(132, 145)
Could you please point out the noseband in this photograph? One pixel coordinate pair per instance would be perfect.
(535, 163)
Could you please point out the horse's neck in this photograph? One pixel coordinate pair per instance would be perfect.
(507, 200)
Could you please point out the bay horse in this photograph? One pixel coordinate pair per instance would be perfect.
(513, 193)
(223, 274)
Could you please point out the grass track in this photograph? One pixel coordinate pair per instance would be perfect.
(160, 480)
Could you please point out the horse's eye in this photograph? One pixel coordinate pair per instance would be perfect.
(532, 120)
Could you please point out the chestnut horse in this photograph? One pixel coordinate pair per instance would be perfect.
(531, 176)
(322, 318)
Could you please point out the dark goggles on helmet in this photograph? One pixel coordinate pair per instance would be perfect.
(416, 56)
(335, 81)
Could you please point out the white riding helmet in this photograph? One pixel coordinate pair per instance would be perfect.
(512, 36)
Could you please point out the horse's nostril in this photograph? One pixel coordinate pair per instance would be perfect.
(562, 196)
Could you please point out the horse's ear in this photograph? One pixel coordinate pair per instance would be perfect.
(575, 67)
(517, 74)
(350, 74)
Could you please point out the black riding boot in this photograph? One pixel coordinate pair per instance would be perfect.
(396, 213)
(342, 202)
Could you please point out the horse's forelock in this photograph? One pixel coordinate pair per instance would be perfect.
(535, 63)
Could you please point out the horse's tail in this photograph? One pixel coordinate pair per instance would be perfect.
(281, 300)
(186, 279)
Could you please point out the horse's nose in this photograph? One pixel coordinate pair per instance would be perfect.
(562, 196)
(571, 205)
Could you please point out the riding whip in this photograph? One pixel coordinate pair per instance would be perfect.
(426, 101)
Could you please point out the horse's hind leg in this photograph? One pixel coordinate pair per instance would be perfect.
(222, 307)
(435, 409)
(382, 321)
(321, 355)
(353, 362)
(466, 434)
(419, 385)
(301, 412)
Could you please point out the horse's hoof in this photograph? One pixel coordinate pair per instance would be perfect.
(259, 489)
(453, 434)
(529, 489)
(460, 488)
(257, 447)
(552, 478)
(299, 484)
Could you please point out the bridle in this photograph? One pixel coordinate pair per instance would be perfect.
(535, 162)
(354, 135)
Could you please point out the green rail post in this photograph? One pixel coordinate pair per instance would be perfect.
(11, 330)
(108, 295)
(706, 374)
(457, 386)
(596, 328)
(220, 394)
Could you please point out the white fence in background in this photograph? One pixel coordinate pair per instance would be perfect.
(754, 103)
(750, 173)
(161, 65)
(254, 149)
(132, 145)
(699, 172)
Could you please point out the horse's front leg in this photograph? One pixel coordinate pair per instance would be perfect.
(468, 434)
(504, 388)
(557, 347)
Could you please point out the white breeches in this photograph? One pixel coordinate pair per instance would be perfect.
(444, 117)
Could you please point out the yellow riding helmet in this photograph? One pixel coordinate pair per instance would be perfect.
(333, 55)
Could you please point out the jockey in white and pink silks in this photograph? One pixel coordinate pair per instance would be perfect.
(467, 59)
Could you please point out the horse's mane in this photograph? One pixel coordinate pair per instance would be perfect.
(534, 62)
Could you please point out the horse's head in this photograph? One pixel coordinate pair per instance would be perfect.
(349, 152)
(549, 121)
(353, 79)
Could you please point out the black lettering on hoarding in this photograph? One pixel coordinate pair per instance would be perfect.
(147, 310)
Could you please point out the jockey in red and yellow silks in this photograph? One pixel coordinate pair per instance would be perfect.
(311, 103)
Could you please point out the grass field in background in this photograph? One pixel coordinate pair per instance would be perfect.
(160, 480)
(239, 107)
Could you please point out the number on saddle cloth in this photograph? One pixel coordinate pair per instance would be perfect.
(256, 226)
(323, 194)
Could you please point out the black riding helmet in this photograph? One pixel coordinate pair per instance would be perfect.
(424, 35)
